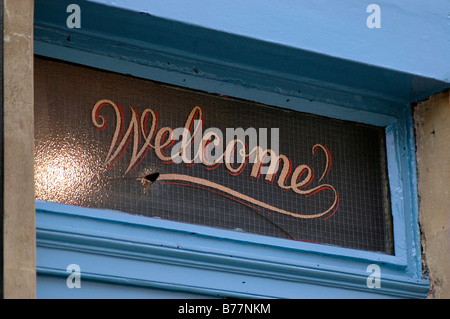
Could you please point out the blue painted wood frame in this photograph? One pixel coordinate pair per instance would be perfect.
(173, 258)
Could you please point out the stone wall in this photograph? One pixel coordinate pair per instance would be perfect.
(19, 205)
(432, 126)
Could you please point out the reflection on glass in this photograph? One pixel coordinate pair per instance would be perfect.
(63, 174)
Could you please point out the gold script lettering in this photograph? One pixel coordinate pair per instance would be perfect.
(301, 178)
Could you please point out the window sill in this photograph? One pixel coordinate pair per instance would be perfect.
(122, 249)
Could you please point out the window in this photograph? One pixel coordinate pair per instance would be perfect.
(107, 145)
(347, 142)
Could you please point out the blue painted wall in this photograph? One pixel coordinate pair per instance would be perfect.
(414, 36)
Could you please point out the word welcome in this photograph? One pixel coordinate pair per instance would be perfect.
(206, 147)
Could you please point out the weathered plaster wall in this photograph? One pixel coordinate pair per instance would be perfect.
(432, 125)
(19, 206)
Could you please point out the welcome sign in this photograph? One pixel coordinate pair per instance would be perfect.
(211, 159)
(110, 141)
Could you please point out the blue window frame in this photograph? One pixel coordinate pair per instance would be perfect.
(145, 257)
